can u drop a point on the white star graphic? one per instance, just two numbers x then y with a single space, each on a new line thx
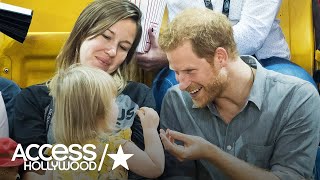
120 159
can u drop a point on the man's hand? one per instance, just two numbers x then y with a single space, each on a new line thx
194 147
155 59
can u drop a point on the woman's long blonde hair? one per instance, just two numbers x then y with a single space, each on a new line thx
93 21
82 95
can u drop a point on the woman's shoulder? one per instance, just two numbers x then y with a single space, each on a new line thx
38 93
136 89
137 85
38 89
139 93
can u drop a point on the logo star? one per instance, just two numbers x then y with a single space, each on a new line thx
120 159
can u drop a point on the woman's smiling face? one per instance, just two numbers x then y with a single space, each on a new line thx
109 50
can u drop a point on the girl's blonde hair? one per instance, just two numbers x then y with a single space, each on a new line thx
82 95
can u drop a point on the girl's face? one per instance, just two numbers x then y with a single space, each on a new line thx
108 50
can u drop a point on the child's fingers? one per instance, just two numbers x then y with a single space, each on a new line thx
141 113
144 109
148 110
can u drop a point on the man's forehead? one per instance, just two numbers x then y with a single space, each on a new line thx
187 64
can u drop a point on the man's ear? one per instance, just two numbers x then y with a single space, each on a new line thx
220 57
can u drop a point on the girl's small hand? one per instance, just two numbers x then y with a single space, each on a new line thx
149 118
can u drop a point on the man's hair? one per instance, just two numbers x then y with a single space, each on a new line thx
82 96
204 28
93 21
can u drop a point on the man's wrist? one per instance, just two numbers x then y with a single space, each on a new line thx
210 150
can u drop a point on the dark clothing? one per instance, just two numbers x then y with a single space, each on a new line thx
9 90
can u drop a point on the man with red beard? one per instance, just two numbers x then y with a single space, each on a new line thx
229 118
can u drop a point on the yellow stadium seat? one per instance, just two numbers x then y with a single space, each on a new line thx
296 22
317 57
52 15
34 61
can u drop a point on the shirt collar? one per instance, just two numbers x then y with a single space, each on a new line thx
258 88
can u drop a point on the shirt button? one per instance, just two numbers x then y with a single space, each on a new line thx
229 147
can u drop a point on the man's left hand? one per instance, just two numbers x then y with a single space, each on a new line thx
193 147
